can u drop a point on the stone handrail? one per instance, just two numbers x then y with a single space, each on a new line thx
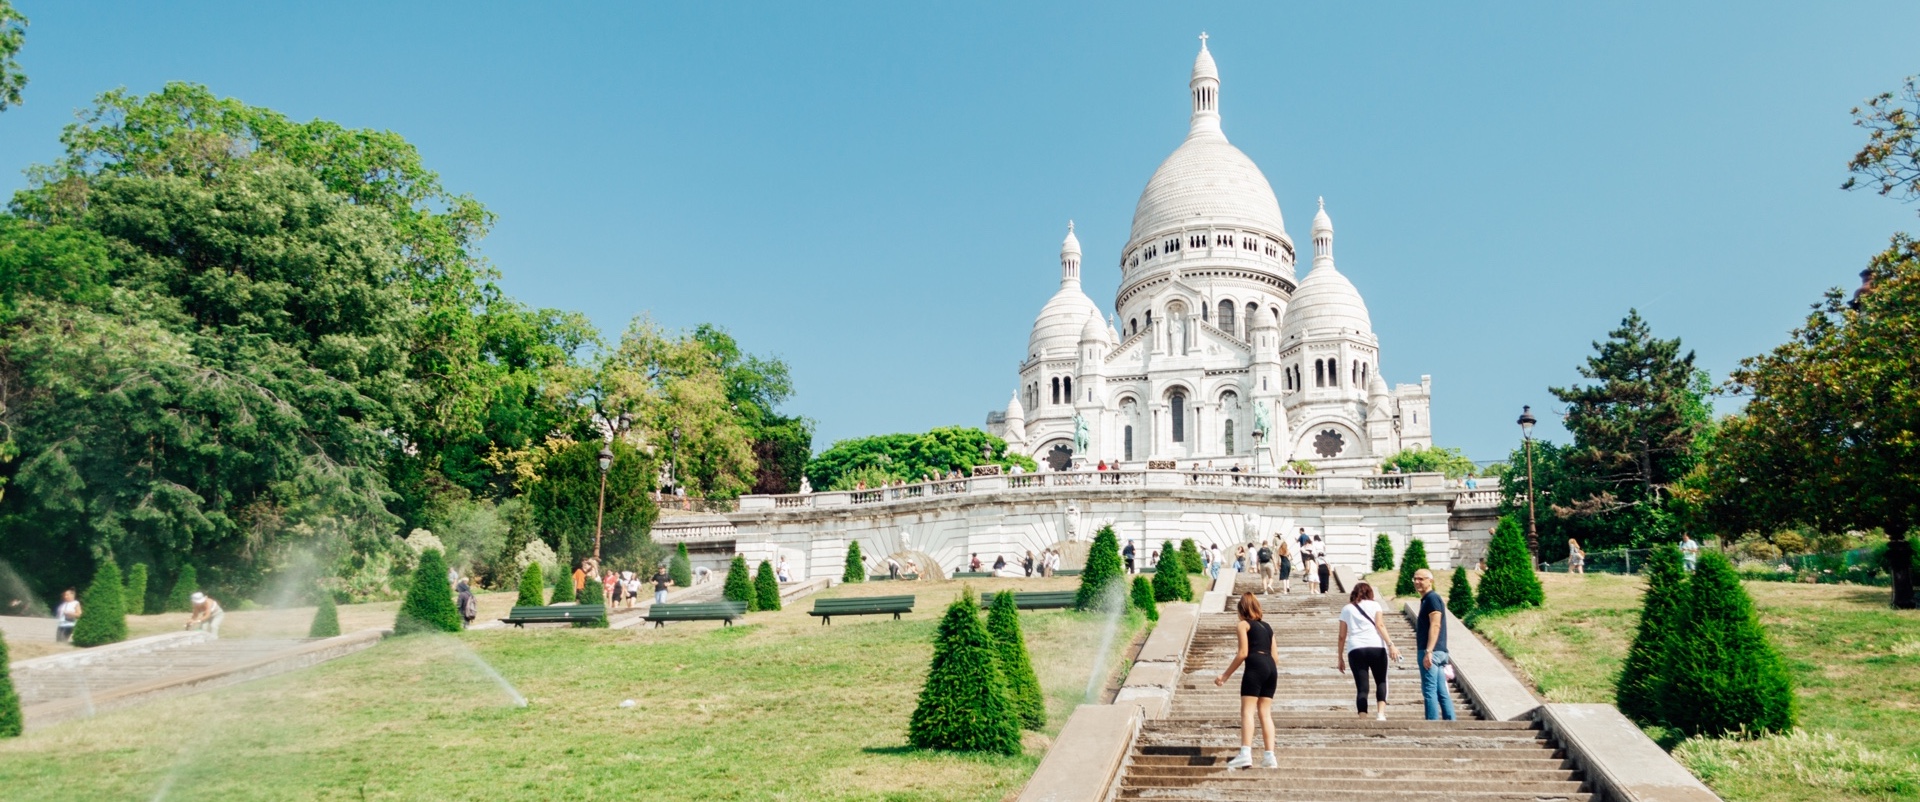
1272 482
1478 498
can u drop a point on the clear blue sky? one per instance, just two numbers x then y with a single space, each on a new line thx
876 193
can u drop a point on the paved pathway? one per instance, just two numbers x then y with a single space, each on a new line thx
1326 752
111 671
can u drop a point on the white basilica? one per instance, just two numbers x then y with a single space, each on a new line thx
1215 354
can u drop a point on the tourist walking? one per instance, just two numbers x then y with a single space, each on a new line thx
1430 648
1285 556
1689 552
1325 568
1214 563
661 581
1126 555
1307 557
65 616
1027 564
469 606
1364 644
1576 559
206 613
893 568
1265 556
1258 654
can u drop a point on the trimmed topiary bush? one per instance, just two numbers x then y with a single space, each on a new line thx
532 587
1383 552
326 619
1411 560
429 605
964 704
562 587
856 564
739 586
103 610
1509 582
184 586
1460 596
680 568
1171 584
593 593
766 587
12 722
1143 599
1722 675
136 595
1103 570
1644 671
1023 686
1191 554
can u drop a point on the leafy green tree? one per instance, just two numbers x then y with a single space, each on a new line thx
1723 676
12 722
680 569
1103 569
326 618
1412 560
1450 461
1023 686
429 604
184 586
766 588
1643 674
756 387
1509 582
738 586
1382 552
532 587
1190 555
963 705
103 611
910 457
856 565
1143 598
566 499
136 595
13 34
593 593
1460 594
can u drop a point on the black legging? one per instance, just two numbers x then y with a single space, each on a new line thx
1374 659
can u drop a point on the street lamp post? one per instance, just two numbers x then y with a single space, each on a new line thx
600 518
1533 531
1257 437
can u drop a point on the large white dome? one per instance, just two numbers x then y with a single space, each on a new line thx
1207 180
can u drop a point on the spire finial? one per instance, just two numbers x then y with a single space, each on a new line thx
1323 206
1069 226
1203 40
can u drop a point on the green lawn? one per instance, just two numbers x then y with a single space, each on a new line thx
777 708
1856 664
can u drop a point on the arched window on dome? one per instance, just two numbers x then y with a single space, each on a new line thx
1365 376
1356 374
1133 326
1333 373
1223 240
1126 442
1056 389
1226 316
1226 439
1319 373
1197 241
1067 392
1149 318
1177 409
1252 309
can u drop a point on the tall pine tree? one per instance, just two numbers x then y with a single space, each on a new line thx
856 565
429 604
766 587
1644 671
1460 596
532 587
1411 561
1103 571
103 613
739 586
1722 675
1143 600
562 586
1383 552
963 705
1023 686
1509 582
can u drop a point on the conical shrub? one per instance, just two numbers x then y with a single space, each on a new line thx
680 568
1102 571
562 587
1723 676
12 723
963 705
1383 552
532 587
1644 672
1509 582
766 587
1143 598
326 618
180 600
1023 686
429 604
1170 584
1411 561
136 595
1190 553
1460 595
103 611
739 586
593 593
856 570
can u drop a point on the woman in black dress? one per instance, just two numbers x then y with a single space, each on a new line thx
1257 684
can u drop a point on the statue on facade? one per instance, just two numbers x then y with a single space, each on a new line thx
1261 423
1249 527
1079 434
806 487
906 540
1073 521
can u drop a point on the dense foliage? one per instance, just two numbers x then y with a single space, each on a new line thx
562 587
1382 552
532 587
1450 461
1412 560
1170 584
13 34
1644 671
1190 556
856 570
594 593
429 604
180 599
1023 686
909 458
1460 594
1722 676
1099 580
739 586
103 609
1143 599
136 595
680 568
326 619
12 722
964 704
1509 582
766 587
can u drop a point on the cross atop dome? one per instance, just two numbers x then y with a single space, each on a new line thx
1203 40
1205 86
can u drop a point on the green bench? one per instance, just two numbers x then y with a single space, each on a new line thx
868 605
1037 600
974 575
884 577
1067 572
724 611
567 614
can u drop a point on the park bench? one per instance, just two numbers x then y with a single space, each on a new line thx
974 575
1037 600
565 614
884 577
723 611
1067 572
869 605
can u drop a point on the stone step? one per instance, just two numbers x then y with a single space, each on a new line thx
1413 758
1284 794
1298 769
1268 780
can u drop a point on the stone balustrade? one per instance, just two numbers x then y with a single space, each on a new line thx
1225 480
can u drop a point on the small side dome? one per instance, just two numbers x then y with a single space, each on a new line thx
1321 222
1014 410
1326 304
1203 64
1070 245
1093 332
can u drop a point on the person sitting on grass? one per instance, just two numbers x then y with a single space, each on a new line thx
206 614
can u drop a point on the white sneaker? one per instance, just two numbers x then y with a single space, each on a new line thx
1381 717
1241 761
1269 762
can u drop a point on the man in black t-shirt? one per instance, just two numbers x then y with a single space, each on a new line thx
1265 556
1430 648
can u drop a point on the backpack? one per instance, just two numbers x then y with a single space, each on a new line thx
1266 555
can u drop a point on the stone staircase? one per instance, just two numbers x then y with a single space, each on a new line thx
1326 751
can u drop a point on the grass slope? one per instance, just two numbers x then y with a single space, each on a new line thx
776 708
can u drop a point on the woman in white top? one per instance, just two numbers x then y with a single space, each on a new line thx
1364 643
68 614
